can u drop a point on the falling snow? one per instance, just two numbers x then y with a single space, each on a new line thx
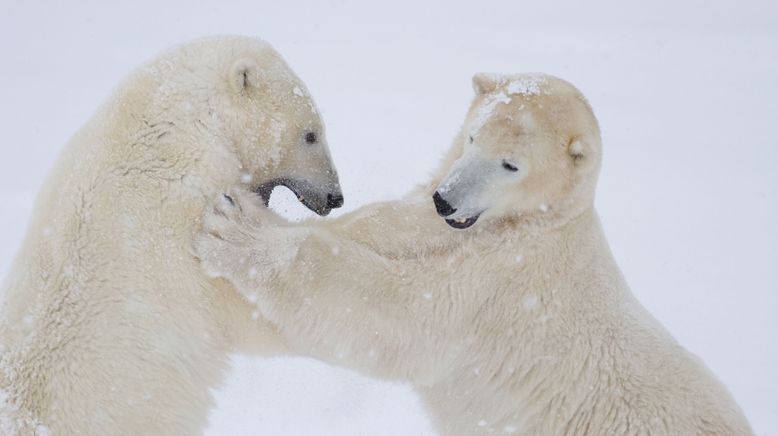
287 387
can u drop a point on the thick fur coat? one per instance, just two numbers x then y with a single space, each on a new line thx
108 325
515 321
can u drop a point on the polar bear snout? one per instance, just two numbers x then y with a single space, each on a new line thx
441 205
319 198
445 210
334 200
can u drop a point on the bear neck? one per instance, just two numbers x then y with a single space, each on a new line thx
163 161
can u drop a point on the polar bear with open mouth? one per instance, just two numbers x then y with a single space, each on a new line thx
517 320
108 325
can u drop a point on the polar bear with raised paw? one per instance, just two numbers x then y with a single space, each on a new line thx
108 324
517 320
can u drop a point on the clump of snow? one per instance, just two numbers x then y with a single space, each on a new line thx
299 92
452 180
527 85
487 110
246 178
523 86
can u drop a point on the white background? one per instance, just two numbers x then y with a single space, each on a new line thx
687 97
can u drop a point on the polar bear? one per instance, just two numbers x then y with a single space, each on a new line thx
108 325
521 324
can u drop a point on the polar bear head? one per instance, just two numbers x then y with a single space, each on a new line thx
530 145
252 118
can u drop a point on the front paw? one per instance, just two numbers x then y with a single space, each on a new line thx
241 242
228 228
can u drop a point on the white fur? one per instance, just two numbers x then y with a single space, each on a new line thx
522 324
108 325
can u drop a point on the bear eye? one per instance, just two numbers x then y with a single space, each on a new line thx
509 166
310 138
471 139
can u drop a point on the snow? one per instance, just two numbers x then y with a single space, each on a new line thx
530 85
486 110
686 95
451 181
525 86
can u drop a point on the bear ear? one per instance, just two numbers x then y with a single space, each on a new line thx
580 152
244 75
484 83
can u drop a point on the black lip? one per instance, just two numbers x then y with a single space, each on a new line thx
300 190
468 222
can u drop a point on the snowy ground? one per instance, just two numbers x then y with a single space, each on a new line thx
687 97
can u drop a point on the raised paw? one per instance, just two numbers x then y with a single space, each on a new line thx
242 241
236 211
229 227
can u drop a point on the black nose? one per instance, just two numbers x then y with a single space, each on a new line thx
334 201
444 209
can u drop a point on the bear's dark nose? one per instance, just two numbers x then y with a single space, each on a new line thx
334 201
444 209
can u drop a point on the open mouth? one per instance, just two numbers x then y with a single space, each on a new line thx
462 223
305 193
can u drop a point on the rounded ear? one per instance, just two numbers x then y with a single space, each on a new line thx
579 152
244 74
484 83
